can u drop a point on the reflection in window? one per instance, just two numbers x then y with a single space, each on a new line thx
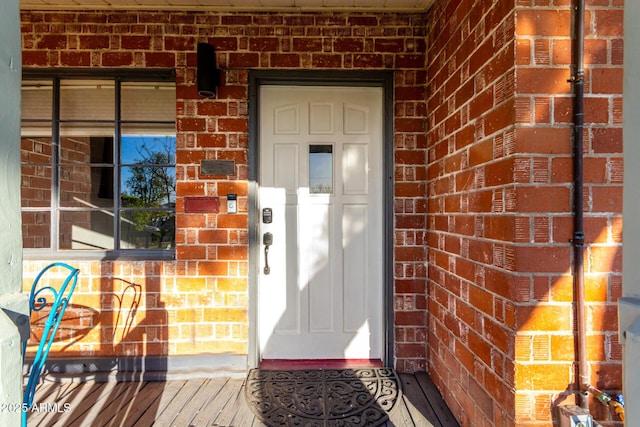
86 230
147 191
98 174
321 169
148 174
147 229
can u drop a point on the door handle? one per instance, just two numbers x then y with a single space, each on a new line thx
267 240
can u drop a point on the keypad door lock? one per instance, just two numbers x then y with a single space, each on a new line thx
267 215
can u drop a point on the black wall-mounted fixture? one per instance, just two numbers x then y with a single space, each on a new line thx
207 74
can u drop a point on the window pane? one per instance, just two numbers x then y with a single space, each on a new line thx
36 172
147 128
36 230
86 150
86 230
36 150
321 169
148 102
87 129
148 149
150 179
148 186
147 229
86 186
75 149
36 184
87 100
37 100
38 128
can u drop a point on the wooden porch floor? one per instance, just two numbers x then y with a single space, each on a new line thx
198 402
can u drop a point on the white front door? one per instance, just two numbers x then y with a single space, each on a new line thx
321 176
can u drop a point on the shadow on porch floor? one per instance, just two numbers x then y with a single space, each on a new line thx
199 402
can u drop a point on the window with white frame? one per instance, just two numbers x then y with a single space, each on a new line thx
98 164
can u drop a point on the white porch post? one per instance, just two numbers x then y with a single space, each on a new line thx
13 304
630 305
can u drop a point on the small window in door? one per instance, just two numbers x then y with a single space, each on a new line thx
321 169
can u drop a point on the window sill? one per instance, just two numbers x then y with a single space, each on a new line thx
125 255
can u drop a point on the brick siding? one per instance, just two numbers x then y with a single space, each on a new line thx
199 302
501 338
482 197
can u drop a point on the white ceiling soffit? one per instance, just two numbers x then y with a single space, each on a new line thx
228 5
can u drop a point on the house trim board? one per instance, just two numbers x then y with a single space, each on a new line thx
144 368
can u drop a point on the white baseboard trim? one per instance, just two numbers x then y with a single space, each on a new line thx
144 368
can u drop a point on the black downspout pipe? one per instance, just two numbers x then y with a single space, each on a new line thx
577 80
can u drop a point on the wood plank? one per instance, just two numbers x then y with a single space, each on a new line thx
399 415
117 404
177 404
80 399
257 422
421 411
215 401
48 393
89 410
44 400
199 402
236 412
65 388
142 402
221 406
169 392
437 402
244 415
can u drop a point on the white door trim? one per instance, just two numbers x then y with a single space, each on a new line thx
382 79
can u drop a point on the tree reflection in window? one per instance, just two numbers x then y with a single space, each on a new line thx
148 188
98 163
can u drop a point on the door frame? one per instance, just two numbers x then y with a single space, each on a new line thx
383 79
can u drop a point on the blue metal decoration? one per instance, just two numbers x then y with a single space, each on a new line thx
57 299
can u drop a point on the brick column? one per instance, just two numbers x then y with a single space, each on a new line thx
501 339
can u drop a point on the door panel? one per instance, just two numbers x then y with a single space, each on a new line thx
354 221
321 174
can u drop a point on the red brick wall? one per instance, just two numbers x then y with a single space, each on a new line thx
495 166
36 190
199 302
75 183
501 340
544 103
471 222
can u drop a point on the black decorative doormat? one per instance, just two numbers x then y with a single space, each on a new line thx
323 398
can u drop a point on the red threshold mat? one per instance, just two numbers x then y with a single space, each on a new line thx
303 364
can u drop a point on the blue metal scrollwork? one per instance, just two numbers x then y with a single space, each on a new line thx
39 298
